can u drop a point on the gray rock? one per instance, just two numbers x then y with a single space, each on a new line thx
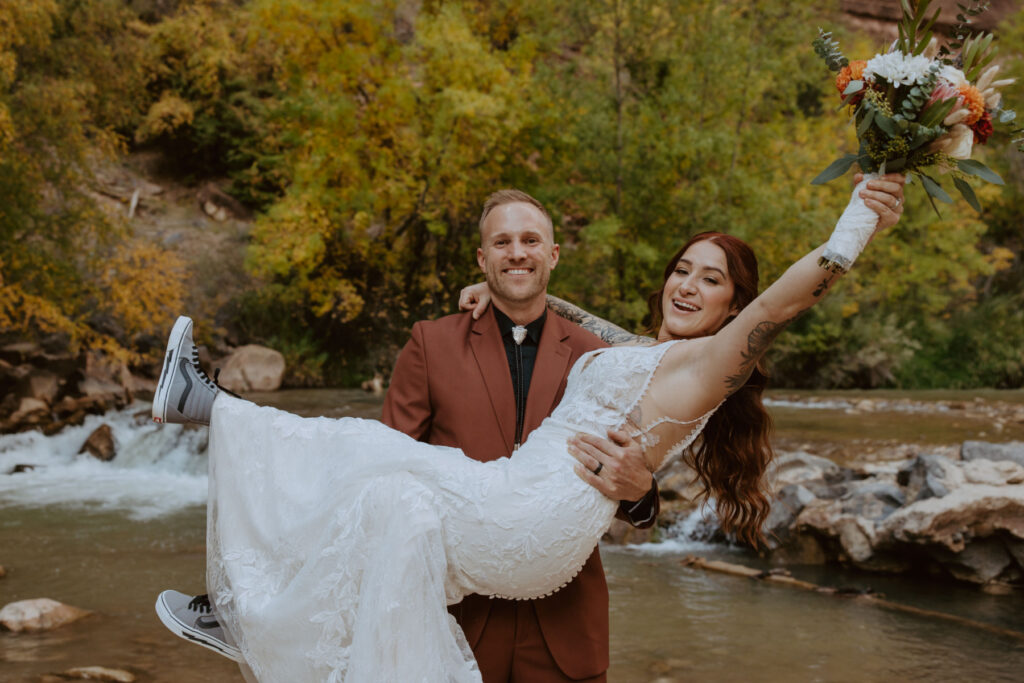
929 476
873 500
799 467
788 503
981 450
981 561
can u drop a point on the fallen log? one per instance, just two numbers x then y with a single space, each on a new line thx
782 577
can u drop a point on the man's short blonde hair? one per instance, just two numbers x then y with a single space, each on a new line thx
511 196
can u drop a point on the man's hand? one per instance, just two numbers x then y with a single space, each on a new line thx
885 197
475 298
622 472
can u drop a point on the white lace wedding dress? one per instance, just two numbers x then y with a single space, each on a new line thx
334 545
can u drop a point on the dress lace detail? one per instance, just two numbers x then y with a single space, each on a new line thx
335 545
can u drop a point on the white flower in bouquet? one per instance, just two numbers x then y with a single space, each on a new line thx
953 75
897 68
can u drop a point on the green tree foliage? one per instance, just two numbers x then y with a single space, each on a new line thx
62 104
366 136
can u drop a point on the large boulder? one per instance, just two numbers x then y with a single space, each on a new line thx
39 614
252 368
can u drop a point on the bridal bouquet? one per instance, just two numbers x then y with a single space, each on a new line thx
917 107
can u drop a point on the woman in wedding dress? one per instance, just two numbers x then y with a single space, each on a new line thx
334 545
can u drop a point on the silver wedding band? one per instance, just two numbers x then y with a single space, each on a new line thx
597 470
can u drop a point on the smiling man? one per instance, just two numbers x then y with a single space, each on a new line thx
483 385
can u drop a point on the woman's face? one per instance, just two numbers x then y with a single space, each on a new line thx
697 298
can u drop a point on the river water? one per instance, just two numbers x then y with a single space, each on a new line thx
108 536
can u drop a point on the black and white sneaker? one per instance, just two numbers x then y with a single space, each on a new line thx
192 618
184 392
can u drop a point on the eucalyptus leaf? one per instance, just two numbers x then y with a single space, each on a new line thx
886 125
1007 115
968 193
835 169
865 122
972 167
935 190
854 86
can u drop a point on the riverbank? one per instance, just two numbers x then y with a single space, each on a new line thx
107 536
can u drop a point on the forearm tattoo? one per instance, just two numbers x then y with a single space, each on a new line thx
610 333
760 338
824 285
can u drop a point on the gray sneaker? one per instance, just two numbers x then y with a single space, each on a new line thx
184 393
192 618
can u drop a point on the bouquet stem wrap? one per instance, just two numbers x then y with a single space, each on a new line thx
852 232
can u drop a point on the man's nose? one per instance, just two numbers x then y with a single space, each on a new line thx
518 250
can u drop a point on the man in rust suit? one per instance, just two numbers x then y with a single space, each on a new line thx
482 385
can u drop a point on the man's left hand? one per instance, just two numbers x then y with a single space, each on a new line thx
621 471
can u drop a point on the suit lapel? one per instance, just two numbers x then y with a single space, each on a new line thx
549 370
490 357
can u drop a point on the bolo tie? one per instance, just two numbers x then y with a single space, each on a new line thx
518 335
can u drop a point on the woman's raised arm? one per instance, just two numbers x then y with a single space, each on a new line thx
728 358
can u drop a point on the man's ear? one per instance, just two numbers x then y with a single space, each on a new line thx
480 258
554 256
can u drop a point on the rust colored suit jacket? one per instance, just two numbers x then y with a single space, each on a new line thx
451 386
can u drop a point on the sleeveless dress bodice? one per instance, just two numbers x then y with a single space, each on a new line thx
334 545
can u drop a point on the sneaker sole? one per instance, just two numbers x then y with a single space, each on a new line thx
163 390
194 636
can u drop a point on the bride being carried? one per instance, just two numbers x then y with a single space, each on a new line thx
335 545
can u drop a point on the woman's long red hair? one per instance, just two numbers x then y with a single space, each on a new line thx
734 450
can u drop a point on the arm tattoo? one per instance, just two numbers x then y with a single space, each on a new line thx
760 338
823 285
610 333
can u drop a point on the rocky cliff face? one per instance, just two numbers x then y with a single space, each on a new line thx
879 17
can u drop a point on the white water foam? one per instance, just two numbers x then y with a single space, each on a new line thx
157 470
689 535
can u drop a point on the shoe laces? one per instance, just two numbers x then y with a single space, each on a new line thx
199 370
201 603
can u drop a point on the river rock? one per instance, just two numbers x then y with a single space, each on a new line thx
252 368
41 384
100 673
100 444
39 614
933 513
980 450
929 476
799 467
31 412
972 511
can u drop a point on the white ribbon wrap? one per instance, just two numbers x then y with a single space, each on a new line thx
852 232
